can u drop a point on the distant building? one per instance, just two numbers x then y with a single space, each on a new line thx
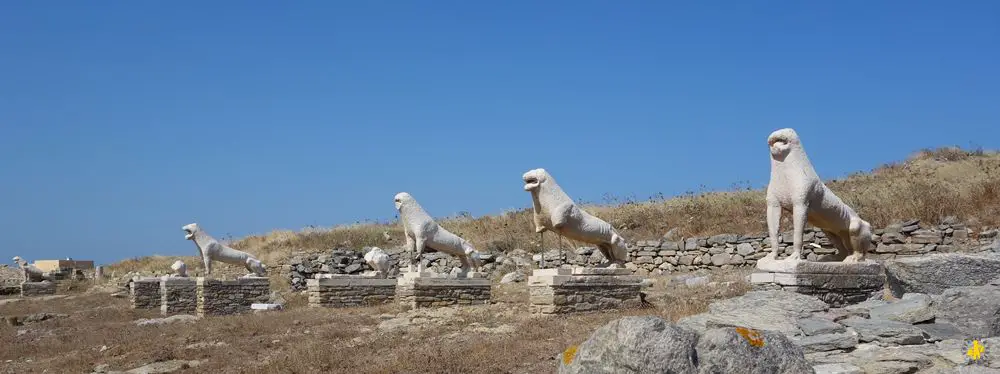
59 265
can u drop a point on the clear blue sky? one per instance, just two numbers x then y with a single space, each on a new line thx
122 121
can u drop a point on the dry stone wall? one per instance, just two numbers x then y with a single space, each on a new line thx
222 297
29 289
425 292
144 293
347 291
178 295
654 257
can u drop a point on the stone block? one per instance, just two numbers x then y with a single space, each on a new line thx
836 283
144 293
582 290
29 289
223 297
348 291
178 295
425 289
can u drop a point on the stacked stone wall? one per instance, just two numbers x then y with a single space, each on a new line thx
340 292
223 297
178 295
435 292
29 289
144 293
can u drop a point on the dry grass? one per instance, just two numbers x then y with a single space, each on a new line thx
499 338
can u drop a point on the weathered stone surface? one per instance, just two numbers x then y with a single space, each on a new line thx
827 342
885 331
635 345
222 297
932 274
513 277
912 308
761 310
346 291
819 326
725 350
974 310
941 331
836 283
839 368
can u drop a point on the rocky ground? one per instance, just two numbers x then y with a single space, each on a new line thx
92 331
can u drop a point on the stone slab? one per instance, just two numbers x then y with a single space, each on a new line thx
816 267
264 306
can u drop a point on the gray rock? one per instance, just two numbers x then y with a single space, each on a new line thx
513 277
762 310
933 274
838 368
974 310
819 326
353 268
885 331
744 249
724 350
635 345
912 308
180 318
863 309
696 281
720 259
827 342
941 331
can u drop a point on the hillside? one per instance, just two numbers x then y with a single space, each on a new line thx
930 185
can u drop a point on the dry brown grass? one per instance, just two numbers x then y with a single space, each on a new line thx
499 338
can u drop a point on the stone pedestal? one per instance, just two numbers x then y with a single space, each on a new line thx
427 289
222 297
144 293
557 291
349 290
836 283
29 289
178 295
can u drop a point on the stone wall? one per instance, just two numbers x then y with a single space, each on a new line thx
222 297
178 295
422 292
345 291
144 293
654 257
557 291
29 289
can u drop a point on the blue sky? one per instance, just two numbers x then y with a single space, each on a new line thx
122 121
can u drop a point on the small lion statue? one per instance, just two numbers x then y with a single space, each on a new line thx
796 187
422 232
179 268
30 272
212 250
555 211
379 261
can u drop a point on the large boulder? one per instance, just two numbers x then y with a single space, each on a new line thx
737 350
935 273
974 310
634 345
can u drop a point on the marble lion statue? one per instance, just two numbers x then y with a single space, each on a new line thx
795 187
379 261
179 268
422 232
30 272
555 211
212 250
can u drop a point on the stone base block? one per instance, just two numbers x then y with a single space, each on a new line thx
557 291
836 283
223 297
178 295
29 289
346 291
426 289
144 293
